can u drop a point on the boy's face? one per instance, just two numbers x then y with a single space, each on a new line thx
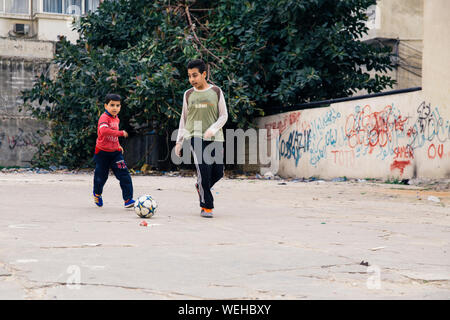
197 79
113 107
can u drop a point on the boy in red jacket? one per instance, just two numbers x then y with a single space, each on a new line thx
109 153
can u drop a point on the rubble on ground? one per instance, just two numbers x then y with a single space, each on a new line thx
145 170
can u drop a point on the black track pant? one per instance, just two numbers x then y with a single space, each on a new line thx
208 159
115 161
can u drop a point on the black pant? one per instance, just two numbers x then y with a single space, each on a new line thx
209 166
115 161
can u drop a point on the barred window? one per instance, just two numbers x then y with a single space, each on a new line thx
17 6
72 7
63 6
53 6
91 5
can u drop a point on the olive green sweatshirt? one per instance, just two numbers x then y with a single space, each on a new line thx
203 110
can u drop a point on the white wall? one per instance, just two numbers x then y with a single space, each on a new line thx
400 136
18 130
436 60
7 23
32 49
397 19
51 26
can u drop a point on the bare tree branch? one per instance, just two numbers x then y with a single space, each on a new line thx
192 26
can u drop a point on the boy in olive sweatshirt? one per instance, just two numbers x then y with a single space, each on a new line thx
203 116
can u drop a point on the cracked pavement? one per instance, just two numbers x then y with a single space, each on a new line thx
298 240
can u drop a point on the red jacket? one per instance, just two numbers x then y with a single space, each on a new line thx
108 133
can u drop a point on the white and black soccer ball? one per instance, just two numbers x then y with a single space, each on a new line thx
145 206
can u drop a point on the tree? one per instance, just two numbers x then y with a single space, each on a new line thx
260 52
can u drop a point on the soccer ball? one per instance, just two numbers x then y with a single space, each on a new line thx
145 206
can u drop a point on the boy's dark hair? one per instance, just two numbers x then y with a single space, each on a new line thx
112 97
199 64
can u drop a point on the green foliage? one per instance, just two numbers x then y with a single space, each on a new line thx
260 52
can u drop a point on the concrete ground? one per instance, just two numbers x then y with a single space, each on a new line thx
269 239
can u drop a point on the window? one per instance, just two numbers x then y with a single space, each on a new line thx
54 6
17 6
63 6
91 5
73 7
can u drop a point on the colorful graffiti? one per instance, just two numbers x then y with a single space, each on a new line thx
324 135
344 157
404 152
297 143
364 127
437 152
20 140
429 127
400 165
283 124
385 133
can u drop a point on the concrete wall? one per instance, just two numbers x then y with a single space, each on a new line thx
397 19
436 62
18 140
43 25
401 136
49 27
27 49
7 22
399 25
18 131
409 70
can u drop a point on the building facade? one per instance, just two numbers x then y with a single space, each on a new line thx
29 30
42 19
399 24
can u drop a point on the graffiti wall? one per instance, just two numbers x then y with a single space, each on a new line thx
19 139
400 136
19 136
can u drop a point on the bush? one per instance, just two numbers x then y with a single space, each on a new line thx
261 53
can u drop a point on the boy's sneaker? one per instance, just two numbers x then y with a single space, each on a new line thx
206 213
129 203
98 200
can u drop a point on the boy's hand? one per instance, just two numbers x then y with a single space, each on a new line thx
208 134
121 149
178 149
125 134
